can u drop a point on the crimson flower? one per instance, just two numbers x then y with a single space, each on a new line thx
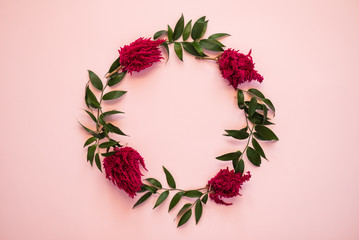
123 169
140 54
237 67
226 184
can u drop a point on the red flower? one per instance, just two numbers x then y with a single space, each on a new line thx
140 54
237 67
123 169
226 184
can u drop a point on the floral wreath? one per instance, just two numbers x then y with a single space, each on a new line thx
122 163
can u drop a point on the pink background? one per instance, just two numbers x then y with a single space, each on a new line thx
175 114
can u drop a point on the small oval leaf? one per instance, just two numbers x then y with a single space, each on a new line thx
178 29
198 28
178 50
154 182
114 65
253 157
205 198
98 162
237 134
118 78
91 153
187 30
240 99
95 80
169 33
256 92
185 217
239 168
218 35
142 199
108 144
159 34
252 106
198 211
212 45
258 148
161 198
266 133
229 156
113 95
170 180
188 47
176 198
112 112
89 141
193 194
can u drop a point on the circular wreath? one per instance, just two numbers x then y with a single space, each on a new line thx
122 163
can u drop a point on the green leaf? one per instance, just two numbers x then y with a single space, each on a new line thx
198 48
176 198
187 30
118 78
114 129
237 134
161 198
269 104
257 118
239 168
178 50
240 98
95 80
253 157
256 92
183 209
91 99
218 35
154 182
114 65
91 115
159 34
204 29
205 198
212 45
142 199
252 106
265 112
185 217
149 188
193 194
113 95
108 154
169 33
165 45
89 141
93 133
112 112
258 148
188 47
198 211
198 28
98 162
170 180
229 156
91 153
178 29
266 133
108 144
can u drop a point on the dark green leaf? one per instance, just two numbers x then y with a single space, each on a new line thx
114 129
178 50
257 118
265 111
98 162
185 217
266 133
91 99
91 115
178 29
170 180
187 31
118 78
198 48
204 29
252 106
205 198
183 209
237 134
212 45
93 133
142 199
198 28
95 80
149 188
159 34
256 92
269 104
169 33
239 167
198 211
253 157
258 148
112 112
108 154
91 153
165 45
176 198
192 194
113 95
161 198
89 141
229 156
218 35
240 99
188 47
114 65
154 182
108 144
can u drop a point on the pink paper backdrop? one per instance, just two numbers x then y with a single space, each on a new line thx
175 114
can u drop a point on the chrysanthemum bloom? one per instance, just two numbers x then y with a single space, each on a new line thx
226 184
140 54
237 67
123 169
